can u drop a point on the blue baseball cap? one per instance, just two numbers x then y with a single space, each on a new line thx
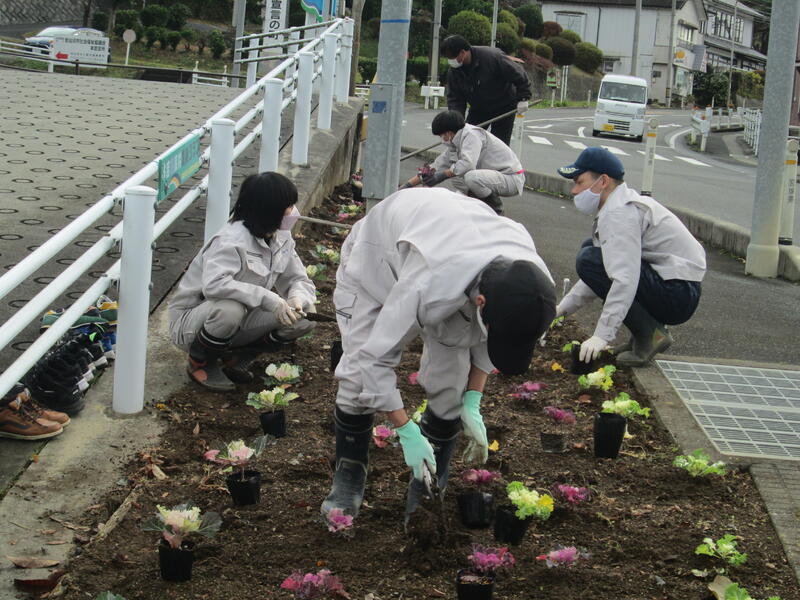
598 160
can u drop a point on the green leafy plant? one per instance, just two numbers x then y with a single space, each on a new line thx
323 253
282 374
317 272
698 464
270 400
735 592
598 379
529 502
417 416
724 548
568 346
625 406
182 520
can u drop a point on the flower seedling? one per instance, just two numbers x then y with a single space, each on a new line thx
317 272
325 254
282 374
348 210
529 502
735 592
237 453
417 415
625 406
527 389
384 435
563 557
556 366
182 520
698 464
559 417
338 521
479 477
568 346
570 493
487 560
413 378
724 548
600 379
313 585
270 400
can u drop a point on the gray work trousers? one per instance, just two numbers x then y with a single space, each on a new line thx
480 183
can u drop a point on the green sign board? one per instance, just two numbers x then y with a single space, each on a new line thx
552 78
177 166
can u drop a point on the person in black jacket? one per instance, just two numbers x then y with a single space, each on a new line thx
488 81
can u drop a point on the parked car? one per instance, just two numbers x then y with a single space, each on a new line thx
45 37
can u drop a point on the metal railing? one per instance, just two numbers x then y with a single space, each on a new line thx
288 83
751 119
198 79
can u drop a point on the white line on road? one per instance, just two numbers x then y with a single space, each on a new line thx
580 131
671 139
539 126
540 140
658 156
576 145
615 150
692 161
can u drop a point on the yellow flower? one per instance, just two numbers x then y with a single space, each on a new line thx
557 367
494 446
545 501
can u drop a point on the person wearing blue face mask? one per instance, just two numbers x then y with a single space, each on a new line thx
487 81
245 292
641 261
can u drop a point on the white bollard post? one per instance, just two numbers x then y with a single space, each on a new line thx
271 125
194 73
517 135
138 214
330 41
786 232
649 158
588 98
252 67
302 109
220 173
292 49
345 55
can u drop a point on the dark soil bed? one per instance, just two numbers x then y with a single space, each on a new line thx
641 525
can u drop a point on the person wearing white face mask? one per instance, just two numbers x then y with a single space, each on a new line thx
641 261
245 292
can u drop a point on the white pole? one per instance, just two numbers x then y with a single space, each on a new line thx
127 53
302 110
238 23
649 158
635 50
342 81
292 49
329 41
134 298
271 125
671 55
786 232
220 173
252 67
494 23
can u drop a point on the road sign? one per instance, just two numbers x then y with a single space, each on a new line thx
178 166
81 47
129 36
552 78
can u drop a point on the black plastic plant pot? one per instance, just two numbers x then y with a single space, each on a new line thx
274 422
245 490
336 354
470 586
553 443
507 527
609 429
176 563
475 509
578 367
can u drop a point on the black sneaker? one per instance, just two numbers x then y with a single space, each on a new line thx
73 351
98 354
62 376
56 397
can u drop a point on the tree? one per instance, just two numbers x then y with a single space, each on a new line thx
173 39
202 41
216 43
475 28
551 29
711 85
506 16
451 7
507 38
100 20
177 15
563 50
154 15
570 35
588 57
188 36
531 16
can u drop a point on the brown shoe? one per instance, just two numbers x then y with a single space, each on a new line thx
40 412
19 423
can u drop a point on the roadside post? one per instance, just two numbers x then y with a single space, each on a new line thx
128 36
786 232
649 158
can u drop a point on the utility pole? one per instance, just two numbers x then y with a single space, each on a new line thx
238 22
733 41
762 252
635 52
355 13
437 25
671 58
494 23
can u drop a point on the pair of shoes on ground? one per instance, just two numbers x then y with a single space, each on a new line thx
103 313
22 418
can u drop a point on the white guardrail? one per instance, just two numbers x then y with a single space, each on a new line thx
326 57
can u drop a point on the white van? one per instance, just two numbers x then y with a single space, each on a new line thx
621 103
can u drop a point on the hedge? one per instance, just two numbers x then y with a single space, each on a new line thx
475 28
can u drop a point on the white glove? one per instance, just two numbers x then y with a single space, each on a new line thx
591 348
284 313
522 107
296 304
477 450
560 310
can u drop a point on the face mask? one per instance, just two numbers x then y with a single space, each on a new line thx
587 201
453 63
481 324
289 220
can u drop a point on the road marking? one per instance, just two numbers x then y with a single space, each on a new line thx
539 126
615 150
658 156
671 139
576 145
692 161
540 140
580 131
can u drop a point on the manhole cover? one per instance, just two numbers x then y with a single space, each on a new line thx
744 411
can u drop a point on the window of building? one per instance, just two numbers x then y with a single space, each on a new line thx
723 25
608 65
573 21
686 34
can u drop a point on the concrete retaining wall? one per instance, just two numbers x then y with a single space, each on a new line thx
40 11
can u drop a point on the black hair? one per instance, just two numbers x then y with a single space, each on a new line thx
452 45
619 181
262 202
447 120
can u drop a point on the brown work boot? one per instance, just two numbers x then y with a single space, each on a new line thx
38 411
19 423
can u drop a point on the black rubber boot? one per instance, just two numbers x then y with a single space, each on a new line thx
443 435
353 434
494 201
649 337
203 367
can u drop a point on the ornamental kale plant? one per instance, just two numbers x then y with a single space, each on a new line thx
317 272
237 454
735 592
310 585
348 210
568 346
625 406
270 400
183 520
529 502
338 521
487 560
417 415
559 416
724 548
563 557
479 477
384 435
598 379
527 389
325 254
570 493
697 464
282 374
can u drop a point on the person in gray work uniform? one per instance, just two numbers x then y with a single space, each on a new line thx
475 161
641 261
434 264
246 291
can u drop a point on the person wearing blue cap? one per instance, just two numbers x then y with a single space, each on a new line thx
641 261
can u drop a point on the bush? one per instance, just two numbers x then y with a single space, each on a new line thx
531 16
367 67
451 7
163 37
475 28
154 15
506 16
126 19
99 20
570 35
588 57
544 50
417 68
173 39
216 43
419 37
551 29
188 36
151 36
202 41
177 15
563 50
507 38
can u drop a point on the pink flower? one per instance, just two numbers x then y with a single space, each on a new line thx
563 557
383 435
487 560
560 415
211 455
338 521
412 379
572 494
342 216
310 585
532 386
479 477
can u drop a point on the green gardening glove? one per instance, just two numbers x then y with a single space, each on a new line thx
416 449
477 450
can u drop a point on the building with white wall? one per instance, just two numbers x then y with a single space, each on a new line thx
729 30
